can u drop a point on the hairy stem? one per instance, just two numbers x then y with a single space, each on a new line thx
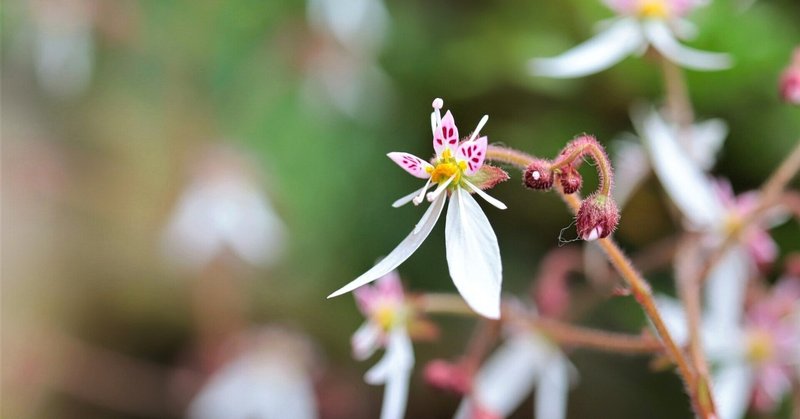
588 145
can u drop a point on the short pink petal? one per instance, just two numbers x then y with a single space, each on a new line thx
473 152
446 135
411 163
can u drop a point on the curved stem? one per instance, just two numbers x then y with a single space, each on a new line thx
587 144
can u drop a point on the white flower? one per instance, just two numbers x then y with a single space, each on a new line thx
63 45
223 208
524 361
270 380
388 317
473 255
642 23
342 62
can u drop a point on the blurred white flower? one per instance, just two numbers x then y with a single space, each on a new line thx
388 317
708 206
342 67
269 380
223 208
641 24
755 355
524 361
63 45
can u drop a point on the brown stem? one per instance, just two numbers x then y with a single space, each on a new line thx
639 287
560 332
677 93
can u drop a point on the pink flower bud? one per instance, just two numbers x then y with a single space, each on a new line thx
597 218
448 376
570 179
538 175
790 81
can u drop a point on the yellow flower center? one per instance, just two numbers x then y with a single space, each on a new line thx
653 9
385 317
732 224
447 166
761 347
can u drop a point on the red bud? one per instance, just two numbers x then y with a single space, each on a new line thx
597 218
538 175
570 179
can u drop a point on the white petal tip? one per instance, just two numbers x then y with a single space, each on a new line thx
593 235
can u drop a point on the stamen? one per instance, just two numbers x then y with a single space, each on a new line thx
408 198
418 199
438 103
435 194
478 129
484 195
433 123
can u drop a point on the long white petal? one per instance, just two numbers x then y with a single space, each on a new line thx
674 317
406 199
402 252
732 385
725 290
508 376
597 54
551 392
394 369
632 166
365 340
490 199
707 139
660 36
690 189
473 255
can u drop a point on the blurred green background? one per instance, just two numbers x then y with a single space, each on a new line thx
92 171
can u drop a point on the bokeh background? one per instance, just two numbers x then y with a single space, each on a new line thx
114 112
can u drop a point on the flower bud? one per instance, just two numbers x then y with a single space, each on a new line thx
570 179
448 376
790 86
597 218
538 175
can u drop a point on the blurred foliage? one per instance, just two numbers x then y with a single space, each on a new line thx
171 76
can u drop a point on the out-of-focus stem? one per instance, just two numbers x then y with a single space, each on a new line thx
677 95
560 332
639 287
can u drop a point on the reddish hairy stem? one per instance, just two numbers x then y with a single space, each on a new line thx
582 146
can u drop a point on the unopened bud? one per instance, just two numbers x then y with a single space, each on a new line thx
597 218
448 376
538 175
790 81
570 179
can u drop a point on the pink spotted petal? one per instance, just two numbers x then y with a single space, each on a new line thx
411 163
473 152
446 135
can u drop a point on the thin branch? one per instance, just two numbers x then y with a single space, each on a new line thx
560 332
